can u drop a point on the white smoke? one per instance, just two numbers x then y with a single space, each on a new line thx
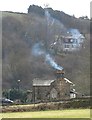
75 33
38 50
50 61
50 20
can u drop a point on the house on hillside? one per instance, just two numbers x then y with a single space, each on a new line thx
68 43
57 89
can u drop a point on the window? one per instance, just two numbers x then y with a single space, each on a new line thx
53 93
74 46
67 46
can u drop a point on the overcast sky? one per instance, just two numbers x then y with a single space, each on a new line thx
71 7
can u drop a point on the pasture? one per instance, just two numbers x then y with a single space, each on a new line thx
70 113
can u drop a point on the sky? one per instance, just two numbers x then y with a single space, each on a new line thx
71 7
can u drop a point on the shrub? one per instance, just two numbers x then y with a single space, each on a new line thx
76 103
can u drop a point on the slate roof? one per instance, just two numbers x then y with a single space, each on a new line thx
39 82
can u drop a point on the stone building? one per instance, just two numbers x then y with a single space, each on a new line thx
58 88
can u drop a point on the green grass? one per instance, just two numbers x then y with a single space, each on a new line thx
75 113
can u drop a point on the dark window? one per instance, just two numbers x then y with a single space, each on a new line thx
67 46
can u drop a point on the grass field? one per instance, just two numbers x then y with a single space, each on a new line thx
75 113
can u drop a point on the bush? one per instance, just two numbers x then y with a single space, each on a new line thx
76 103
15 94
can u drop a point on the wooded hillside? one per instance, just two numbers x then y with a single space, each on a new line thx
21 31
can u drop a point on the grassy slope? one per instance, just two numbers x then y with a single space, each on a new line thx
77 113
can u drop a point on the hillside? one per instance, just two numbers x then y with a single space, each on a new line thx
69 21
20 32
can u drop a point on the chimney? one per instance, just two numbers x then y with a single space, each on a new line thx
60 74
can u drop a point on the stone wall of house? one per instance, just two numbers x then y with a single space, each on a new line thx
63 88
59 88
41 92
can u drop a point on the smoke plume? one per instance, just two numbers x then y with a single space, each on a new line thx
50 20
38 50
75 33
